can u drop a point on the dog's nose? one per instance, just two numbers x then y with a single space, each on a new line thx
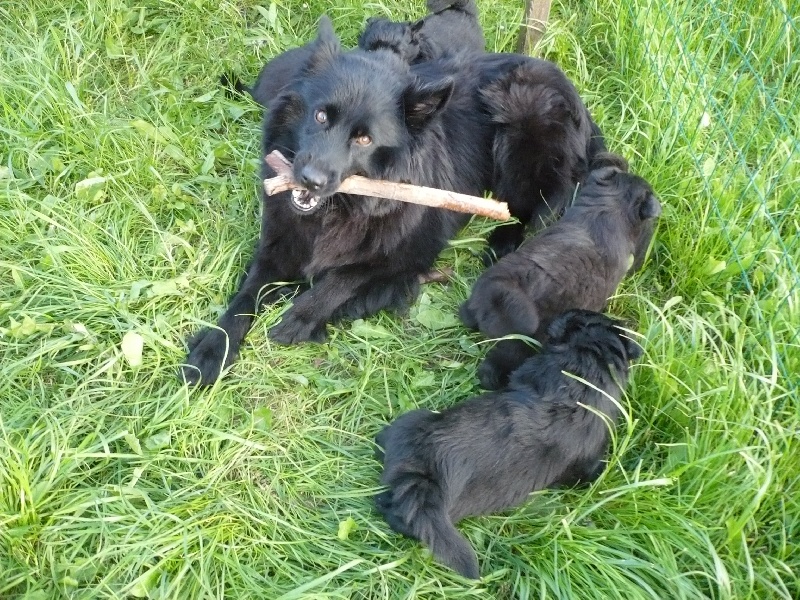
312 178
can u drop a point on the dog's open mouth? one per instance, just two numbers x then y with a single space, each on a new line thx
304 201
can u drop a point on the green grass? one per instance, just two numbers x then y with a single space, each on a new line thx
128 204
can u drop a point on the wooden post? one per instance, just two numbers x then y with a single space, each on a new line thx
537 12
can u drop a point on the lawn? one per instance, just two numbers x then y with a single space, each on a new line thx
128 210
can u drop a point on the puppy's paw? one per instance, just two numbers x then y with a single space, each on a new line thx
294 330
491 376
503 240
209 355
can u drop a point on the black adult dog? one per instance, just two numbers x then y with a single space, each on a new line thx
438 124
578 262
488 453
352 113
451 29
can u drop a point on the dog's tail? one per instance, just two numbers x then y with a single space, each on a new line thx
466 6
418 502
231 84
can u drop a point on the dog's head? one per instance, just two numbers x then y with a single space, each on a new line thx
398 37
595 332
353 113
610 185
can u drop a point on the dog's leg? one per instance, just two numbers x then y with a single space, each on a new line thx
504 239
213 350
501 361
343 291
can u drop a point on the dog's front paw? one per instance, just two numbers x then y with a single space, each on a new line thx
293 330
492 376
503 240
209 354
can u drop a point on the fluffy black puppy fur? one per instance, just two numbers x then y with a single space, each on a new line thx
352 113
488 453
451 29
578 262
545 139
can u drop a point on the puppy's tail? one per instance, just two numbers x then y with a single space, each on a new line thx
419 502
467 6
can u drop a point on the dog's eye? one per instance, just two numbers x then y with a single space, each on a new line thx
363 140
321 117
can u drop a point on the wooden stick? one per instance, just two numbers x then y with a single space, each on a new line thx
404 192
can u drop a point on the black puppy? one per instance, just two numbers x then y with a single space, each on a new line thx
352 113
488 453
577 262
545 139
452 29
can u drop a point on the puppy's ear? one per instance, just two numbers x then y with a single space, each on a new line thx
608 159
605 174
632 349
557 330
325 47
421 101
650 207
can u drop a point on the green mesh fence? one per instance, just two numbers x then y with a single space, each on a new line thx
728 78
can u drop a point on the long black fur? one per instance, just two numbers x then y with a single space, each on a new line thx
577 262
451 29
488 453
362 254
545 139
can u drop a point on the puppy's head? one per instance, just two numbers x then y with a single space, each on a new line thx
611 186
595 332
383 34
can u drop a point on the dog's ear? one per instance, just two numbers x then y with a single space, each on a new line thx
557 330
604 175
608 159
325 47
649 207
633 349
421 101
